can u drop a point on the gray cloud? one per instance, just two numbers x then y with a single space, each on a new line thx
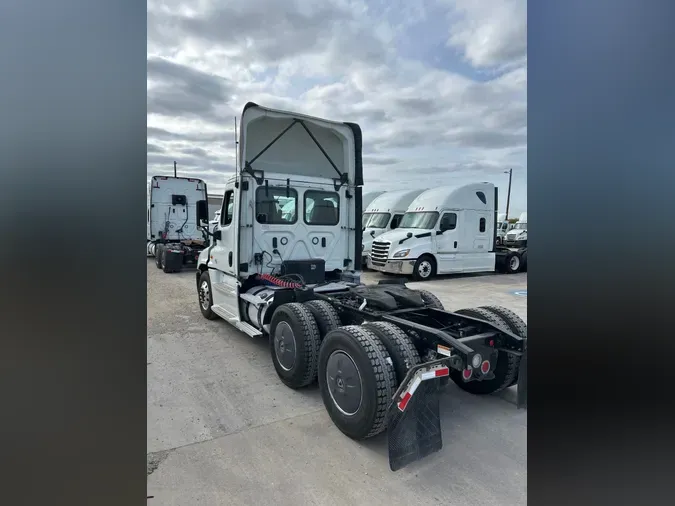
152 148
337 60
180 90
377 160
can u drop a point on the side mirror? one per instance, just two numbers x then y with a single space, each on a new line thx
202 212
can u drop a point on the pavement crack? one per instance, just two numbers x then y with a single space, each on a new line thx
155 459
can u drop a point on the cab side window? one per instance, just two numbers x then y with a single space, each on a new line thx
227 212
448 221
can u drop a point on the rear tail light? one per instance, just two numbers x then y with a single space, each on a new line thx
466 374
485 367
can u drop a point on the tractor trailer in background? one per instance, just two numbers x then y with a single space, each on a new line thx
517 236
447 230
366 200
378 352
385 213
173 237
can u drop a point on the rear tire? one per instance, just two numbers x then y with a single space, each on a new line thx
206 296
512 263
294 344
431 300
514 323
357 381
506 369
424 269
158 252
327 318
400 347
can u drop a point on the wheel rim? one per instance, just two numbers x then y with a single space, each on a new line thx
284 346
514 263
204 298
344 383
424 269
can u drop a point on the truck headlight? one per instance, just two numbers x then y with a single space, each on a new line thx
402 253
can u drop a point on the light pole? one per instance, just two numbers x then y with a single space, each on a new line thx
174 171
508 193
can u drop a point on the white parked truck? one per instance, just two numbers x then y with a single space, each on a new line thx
446 230
503 226
367 199
377 352
517 236
384 214
173 237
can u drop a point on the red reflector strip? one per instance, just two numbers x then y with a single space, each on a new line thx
444 371
404 402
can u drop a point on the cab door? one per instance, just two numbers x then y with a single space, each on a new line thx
222 261
448 239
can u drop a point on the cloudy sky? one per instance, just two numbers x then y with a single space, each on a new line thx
439 87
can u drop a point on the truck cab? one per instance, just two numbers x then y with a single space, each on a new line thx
384 214
517 236
503 226
291 211
284 263
365 202
445 230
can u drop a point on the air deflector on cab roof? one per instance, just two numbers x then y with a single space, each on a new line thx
259 174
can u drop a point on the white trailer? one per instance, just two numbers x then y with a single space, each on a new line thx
378 352
384 214
446 230
173 236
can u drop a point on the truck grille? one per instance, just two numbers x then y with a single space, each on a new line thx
379 252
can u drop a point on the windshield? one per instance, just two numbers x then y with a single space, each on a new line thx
377 220
426 220
364 219
521 226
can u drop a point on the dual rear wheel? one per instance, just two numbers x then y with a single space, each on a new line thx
358 367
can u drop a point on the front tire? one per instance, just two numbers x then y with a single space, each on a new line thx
206 296
357 381
424 269
294 344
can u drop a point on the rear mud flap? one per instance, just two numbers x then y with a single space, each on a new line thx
414 421
521 395
415 432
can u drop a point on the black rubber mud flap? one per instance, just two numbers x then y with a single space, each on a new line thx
521 396
414 432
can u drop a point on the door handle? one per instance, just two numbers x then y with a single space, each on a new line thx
229 258
455 244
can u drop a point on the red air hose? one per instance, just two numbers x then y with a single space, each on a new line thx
278 281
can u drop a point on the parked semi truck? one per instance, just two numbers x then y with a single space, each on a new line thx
378 352
447 230
503 226
517 237
173 235
384 214
365 202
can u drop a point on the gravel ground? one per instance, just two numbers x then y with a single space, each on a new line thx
222 429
